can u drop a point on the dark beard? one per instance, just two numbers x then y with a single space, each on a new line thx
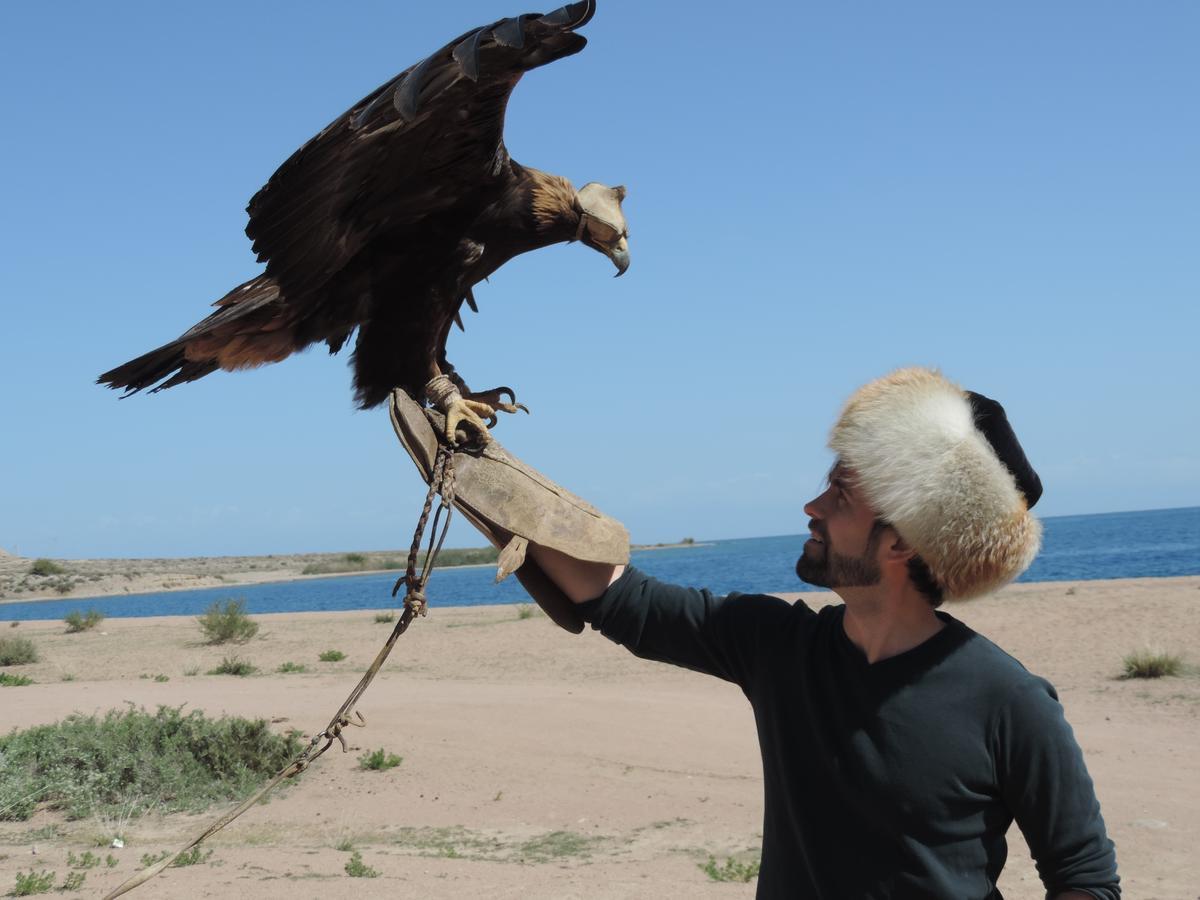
835 571
832 570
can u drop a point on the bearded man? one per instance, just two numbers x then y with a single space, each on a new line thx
898 745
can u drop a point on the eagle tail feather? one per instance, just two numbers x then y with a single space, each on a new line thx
245 330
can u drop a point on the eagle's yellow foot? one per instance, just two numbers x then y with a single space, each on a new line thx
472 413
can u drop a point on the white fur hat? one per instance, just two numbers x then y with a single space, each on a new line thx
943 467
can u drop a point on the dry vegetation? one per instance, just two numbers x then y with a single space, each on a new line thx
27 579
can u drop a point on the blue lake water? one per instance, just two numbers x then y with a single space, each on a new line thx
1076 548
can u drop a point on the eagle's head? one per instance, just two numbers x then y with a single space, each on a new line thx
601 222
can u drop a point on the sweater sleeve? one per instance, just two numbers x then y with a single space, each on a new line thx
723 636
1044 781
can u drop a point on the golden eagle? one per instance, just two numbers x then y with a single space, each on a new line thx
386 219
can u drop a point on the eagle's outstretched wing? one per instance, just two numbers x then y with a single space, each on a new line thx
425 150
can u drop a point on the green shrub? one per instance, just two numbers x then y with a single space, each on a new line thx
88 860
379 760
1151 664
17 651
46 567
131 761
223 624
526 610
77 621
232 665
732 870
355 559
356 868
332 656
73 882
385 618
186 858
289 667
32 883
7 680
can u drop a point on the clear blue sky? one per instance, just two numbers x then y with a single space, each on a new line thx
817 194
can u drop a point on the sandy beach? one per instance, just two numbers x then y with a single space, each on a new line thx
541 764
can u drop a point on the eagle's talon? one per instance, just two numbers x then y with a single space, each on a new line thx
494 399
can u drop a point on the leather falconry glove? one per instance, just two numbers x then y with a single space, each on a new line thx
514 505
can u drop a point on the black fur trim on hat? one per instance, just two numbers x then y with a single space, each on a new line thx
991 420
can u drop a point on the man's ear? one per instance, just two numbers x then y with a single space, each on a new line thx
895 548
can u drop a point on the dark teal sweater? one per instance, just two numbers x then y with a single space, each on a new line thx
892 780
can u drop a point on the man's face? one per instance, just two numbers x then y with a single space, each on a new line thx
845 537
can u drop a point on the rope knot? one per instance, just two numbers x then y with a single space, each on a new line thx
416 601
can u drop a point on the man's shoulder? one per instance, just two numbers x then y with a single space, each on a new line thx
990 665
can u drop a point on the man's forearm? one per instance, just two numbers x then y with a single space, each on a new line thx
580 581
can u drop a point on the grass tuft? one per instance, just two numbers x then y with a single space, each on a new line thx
191 857
1151 664
331 656
555 845
17 651
289 667
526 610
379 760
356 868
131 761
227 623
385 618
46 567
32 883
88 860
732 870
73 882
77 621
7 680
233 665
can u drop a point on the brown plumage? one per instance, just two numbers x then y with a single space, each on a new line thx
385 220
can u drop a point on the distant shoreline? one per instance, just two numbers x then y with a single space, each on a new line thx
130 577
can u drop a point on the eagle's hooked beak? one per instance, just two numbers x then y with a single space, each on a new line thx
602 224
619 254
